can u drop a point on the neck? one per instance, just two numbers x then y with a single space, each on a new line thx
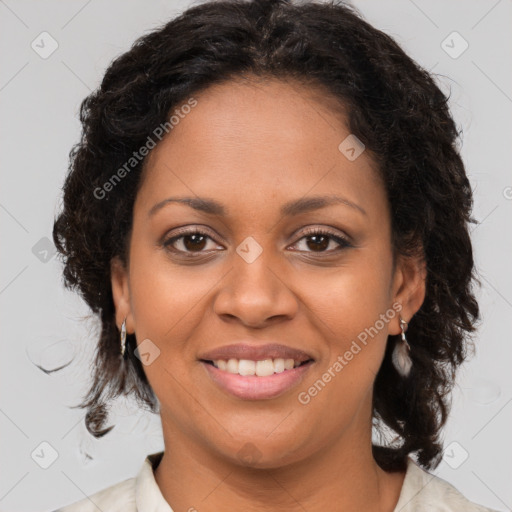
344 476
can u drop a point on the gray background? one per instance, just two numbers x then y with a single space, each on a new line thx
41 323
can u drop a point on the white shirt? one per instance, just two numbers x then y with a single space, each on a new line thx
421 492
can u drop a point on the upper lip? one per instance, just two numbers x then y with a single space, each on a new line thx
255 352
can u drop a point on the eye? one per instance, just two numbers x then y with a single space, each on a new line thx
193 240
320 239
189 241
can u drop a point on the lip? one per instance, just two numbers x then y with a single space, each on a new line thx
252 387
255 353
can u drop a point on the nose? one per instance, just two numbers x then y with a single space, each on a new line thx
255 293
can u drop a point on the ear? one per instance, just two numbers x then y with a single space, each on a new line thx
409 287
121 294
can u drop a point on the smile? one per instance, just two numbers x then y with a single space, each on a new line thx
263 368
256 380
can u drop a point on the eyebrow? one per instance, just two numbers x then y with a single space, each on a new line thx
295 207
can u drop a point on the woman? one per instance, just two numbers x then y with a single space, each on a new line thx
264 211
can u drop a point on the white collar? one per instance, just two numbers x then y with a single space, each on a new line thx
420 489
148 496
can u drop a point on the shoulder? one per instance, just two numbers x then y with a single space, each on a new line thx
423 491
138 493
119 497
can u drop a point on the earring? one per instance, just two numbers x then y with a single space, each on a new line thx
400 357
123 338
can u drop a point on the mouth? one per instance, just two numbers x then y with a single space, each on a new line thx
246 384
261 368
256 372
252 372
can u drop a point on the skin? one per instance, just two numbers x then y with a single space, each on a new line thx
254 146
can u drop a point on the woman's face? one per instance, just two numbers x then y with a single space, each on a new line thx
316 278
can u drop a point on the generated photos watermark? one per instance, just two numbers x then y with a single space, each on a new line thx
304 397
137 156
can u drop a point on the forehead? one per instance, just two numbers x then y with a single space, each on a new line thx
262 116
257 141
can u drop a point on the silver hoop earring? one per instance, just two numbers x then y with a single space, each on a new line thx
123 338
400 357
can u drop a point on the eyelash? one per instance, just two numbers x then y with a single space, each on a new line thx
308 232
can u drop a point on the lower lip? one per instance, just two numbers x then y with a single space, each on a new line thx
251 387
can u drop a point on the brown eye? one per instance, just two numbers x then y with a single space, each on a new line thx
189 242
194 242
319 240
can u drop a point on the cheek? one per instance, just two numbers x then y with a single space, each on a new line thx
351 311
165 297
166 307
348 298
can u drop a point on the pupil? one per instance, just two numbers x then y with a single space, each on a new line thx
324 245
197 241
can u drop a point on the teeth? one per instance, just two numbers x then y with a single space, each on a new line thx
246 367
260 368
265 368
232 366
279 365
289 364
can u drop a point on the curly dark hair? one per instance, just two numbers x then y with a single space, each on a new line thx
394 107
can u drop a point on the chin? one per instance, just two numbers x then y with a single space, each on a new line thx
262 453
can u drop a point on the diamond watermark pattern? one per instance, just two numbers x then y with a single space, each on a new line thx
249 249
249 453
44 455
147 352
44 45
351 147
455 455
44 250
454 45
